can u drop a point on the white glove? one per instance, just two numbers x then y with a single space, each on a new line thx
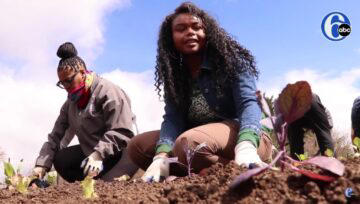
92 164
158 170
246 154
39 172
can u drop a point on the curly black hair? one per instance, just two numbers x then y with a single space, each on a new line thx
226 54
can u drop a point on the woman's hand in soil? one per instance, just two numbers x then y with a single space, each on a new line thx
246 154
39 172
158 170
92 164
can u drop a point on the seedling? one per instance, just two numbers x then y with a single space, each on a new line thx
293 102
9 172
88 187
356 142
329 153
302 157
190 153
51 177
124 177
14 179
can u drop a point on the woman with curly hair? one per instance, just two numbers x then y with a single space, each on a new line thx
99 113
208 81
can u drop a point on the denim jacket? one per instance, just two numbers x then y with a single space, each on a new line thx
238 102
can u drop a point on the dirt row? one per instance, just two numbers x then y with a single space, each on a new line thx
210 187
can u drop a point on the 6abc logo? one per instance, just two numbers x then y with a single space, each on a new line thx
350 194
336 26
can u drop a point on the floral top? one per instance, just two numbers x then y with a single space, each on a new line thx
199 110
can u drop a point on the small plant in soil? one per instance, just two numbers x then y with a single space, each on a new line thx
293 102
51 177
356 142
124 177
190 153
14 180
88 187
329 153
302 157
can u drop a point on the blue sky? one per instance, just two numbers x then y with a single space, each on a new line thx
282 36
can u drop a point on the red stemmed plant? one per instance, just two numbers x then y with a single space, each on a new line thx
190 153
293 102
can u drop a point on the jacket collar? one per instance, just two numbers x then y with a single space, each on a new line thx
95 82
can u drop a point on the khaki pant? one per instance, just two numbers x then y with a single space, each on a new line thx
220 139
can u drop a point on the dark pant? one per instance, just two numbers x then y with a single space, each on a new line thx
68 160
315 119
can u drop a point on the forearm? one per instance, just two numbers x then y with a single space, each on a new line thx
172 126
249 118
247 108
47 152
52 145
169 131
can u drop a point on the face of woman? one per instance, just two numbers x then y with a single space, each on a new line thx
69 78
188 34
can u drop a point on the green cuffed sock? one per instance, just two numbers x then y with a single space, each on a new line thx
248 135
163 148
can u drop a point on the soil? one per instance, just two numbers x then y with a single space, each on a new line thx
212 186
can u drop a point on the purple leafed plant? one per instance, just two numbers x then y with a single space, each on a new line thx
293 102
190 153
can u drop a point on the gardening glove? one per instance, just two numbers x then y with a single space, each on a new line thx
39 172
246 154
92 164
158 170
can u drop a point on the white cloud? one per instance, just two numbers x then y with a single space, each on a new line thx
337 91
31 31
28 112
144 100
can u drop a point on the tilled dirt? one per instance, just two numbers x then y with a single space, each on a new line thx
210 187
